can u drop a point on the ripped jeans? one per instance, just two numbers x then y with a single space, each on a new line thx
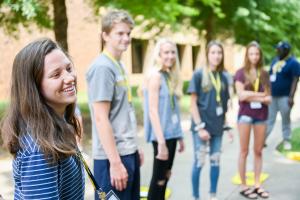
200 152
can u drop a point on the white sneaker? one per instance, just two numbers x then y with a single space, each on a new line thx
213 197
287 145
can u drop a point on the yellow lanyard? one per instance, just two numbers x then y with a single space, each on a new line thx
129 94
278 66
171 92
256 83
217 85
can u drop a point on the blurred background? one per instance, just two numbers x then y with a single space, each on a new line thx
75 25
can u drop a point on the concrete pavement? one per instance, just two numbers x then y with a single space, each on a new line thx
283 182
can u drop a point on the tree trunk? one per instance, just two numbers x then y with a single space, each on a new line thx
60 23
209 24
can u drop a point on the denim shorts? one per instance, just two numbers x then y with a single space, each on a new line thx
245 119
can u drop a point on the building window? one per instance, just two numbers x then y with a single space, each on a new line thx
138 55
195 53
180 49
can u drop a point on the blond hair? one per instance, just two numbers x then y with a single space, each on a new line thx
156 66
114 17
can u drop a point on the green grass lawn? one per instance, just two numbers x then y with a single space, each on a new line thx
295 140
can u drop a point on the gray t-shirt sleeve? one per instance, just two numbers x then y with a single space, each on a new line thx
101 84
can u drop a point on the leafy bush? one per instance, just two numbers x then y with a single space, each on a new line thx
185 87
134 90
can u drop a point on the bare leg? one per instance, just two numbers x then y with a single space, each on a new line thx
259 135
244 132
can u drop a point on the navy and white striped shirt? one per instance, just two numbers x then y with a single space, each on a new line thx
35 178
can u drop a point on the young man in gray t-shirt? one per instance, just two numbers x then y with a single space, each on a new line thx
115 152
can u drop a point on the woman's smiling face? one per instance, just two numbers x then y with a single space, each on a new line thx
58 82
167 55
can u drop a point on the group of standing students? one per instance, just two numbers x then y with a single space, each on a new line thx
209 89
41 129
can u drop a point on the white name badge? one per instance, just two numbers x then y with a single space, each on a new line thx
175 119
255 105
132 119
219 110
273 77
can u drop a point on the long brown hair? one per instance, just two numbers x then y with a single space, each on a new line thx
206 82
28 112
249 80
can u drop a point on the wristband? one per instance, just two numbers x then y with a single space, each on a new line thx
199 126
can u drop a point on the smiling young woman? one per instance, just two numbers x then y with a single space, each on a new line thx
253 90
40 127
162 123
209 89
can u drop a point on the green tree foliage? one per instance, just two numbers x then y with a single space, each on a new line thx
267 21
14 13
157 12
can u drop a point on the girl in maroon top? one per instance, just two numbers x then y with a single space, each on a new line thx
252 86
